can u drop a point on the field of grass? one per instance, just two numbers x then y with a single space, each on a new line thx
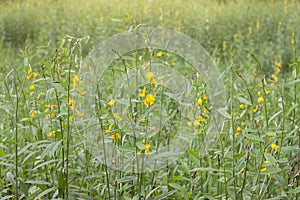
70 134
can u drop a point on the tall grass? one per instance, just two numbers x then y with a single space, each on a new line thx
255 44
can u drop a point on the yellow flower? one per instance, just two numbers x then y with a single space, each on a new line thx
275 78
242 106
197 132
190 124
50 135
29 73
255 109
266 162
75 81
205 111
117 117
196 123
224 46
116 136
260 100
38 97
267 91
259 85
150 100
236 134
72 118
52 115
53 106
143 93
263 169
271 138
238 129
147 146
80 114
31 87
111 103
275 147
149 76
250 29
159 54
109 128
205 97
259 94
71 102
270 175
257 25
142 121
199 102
244 124
202 119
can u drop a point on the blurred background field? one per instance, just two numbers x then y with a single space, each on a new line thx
263 28
254 43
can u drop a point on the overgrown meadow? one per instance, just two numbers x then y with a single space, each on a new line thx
61 139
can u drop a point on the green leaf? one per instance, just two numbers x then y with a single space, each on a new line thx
270 158
126 179
289 149
36 182
253 138
44 193
60 88
165 195
177 187
242 100
224 113
140 146
295 190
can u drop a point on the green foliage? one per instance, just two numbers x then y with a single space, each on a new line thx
42 155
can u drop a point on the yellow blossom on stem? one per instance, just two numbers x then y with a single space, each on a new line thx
53 106
202 119
31 87
270 175
159 54
236 134
117 117
142 121
143 93
50 135
275 147
116 136
71 102
255 109
199 102
205 111
75 81
238 129
263 169
149 76
260 100
205 97
80 114
150 100
275 78
259 94
147 146
72 118
196 123
109 128
111 103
